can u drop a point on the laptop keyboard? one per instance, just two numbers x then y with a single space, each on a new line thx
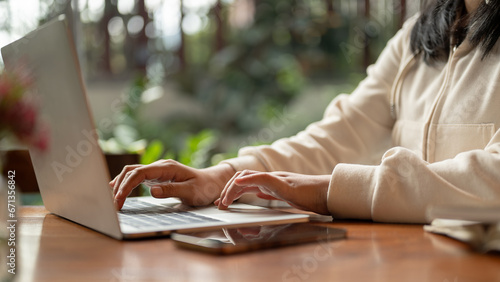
140 214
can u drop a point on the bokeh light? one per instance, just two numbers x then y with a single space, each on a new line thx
135 25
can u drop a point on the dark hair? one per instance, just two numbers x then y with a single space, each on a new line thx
444 23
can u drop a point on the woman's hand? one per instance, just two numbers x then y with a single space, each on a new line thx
306 192
168 178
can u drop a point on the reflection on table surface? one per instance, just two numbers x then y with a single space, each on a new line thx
54 249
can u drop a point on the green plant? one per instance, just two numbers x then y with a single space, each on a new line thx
196 152
126 137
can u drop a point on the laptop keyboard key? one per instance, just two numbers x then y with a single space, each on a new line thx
148 215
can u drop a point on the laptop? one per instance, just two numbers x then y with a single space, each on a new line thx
72 174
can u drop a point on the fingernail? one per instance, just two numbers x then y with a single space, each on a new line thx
156 191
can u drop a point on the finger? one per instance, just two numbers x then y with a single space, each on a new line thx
237 192
268 183
231 181
186 191
224 203
131 179
261 182
116 182
224 190
119 178
159 171
178 190
229 184
234 191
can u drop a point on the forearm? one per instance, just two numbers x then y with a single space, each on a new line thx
345 135
402 187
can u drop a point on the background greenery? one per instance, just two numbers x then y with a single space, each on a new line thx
250 71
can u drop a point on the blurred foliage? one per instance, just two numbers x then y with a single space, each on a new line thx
264 65
153 152
197 150
244 77
240 76
195 153
126 135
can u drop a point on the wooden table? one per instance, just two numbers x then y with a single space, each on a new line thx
53 249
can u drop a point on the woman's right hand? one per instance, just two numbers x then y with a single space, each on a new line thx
168 178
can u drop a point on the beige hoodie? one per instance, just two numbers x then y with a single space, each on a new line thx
411 135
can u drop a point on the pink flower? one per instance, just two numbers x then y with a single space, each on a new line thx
21 118
4 88
42 139
18 113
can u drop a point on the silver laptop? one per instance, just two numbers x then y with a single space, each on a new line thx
72 174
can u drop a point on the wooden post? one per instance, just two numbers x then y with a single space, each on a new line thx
402 12
181 52
331 11
219 33
366 51
110 11
142 40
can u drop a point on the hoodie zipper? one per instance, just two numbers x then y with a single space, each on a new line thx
427 127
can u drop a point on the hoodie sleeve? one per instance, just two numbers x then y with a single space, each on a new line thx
403 186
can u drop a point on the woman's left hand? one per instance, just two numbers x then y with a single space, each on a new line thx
306 192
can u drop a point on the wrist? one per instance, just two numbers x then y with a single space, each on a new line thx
225 171
220 174
323 194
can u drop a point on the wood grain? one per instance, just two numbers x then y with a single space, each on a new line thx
54 249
